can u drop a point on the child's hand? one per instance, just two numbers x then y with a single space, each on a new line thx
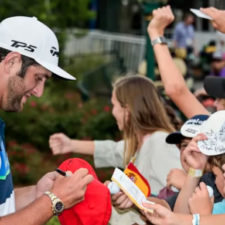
161 215
192 155
121 200
176 178
200 202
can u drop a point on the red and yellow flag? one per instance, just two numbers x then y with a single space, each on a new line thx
132 172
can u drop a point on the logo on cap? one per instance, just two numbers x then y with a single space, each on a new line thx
25 46
54 52
195 121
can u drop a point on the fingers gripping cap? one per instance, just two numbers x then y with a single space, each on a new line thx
214 130
32 38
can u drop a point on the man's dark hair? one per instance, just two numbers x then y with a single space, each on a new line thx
186 15
26 61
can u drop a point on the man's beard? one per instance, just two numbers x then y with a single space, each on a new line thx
14 99
14 104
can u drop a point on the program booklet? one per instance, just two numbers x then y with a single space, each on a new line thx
130 189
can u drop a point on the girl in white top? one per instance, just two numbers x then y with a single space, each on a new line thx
142 118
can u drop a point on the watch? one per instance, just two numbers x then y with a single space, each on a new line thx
57 204
159 40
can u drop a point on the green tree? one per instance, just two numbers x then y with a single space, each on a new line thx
57 14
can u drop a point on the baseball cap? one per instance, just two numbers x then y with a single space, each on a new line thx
214 129
174 138
96 207
30 37
215 86
189 129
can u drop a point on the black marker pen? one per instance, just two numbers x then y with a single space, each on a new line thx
63 173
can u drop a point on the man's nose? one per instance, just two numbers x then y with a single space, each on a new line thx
39 89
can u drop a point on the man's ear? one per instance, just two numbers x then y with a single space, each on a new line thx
12 62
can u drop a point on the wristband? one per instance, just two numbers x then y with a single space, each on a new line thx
196 219
195 172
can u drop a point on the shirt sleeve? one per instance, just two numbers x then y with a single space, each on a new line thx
108 154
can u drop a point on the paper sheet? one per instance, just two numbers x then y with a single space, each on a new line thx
130 189
198 13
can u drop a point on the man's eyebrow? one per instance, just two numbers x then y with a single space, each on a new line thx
47 76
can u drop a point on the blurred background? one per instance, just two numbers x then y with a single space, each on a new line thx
100 40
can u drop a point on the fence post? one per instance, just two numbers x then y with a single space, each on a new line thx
148 8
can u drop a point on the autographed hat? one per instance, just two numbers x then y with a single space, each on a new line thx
189 129
96 207
214 129
215 86
30 37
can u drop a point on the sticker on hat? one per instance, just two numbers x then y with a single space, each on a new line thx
214 129
192 126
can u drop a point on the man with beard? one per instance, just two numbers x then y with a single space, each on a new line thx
28 57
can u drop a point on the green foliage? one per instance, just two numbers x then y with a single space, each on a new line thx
79 65
55 13
53 221
26 161
90 120
27 133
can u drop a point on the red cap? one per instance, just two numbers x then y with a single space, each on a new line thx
96 207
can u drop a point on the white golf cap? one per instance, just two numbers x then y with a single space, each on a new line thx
32 38
189 129
214 129
192 126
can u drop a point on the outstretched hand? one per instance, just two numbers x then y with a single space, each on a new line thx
218 17
60 144
162 17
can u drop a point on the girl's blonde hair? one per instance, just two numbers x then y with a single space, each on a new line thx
147 114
